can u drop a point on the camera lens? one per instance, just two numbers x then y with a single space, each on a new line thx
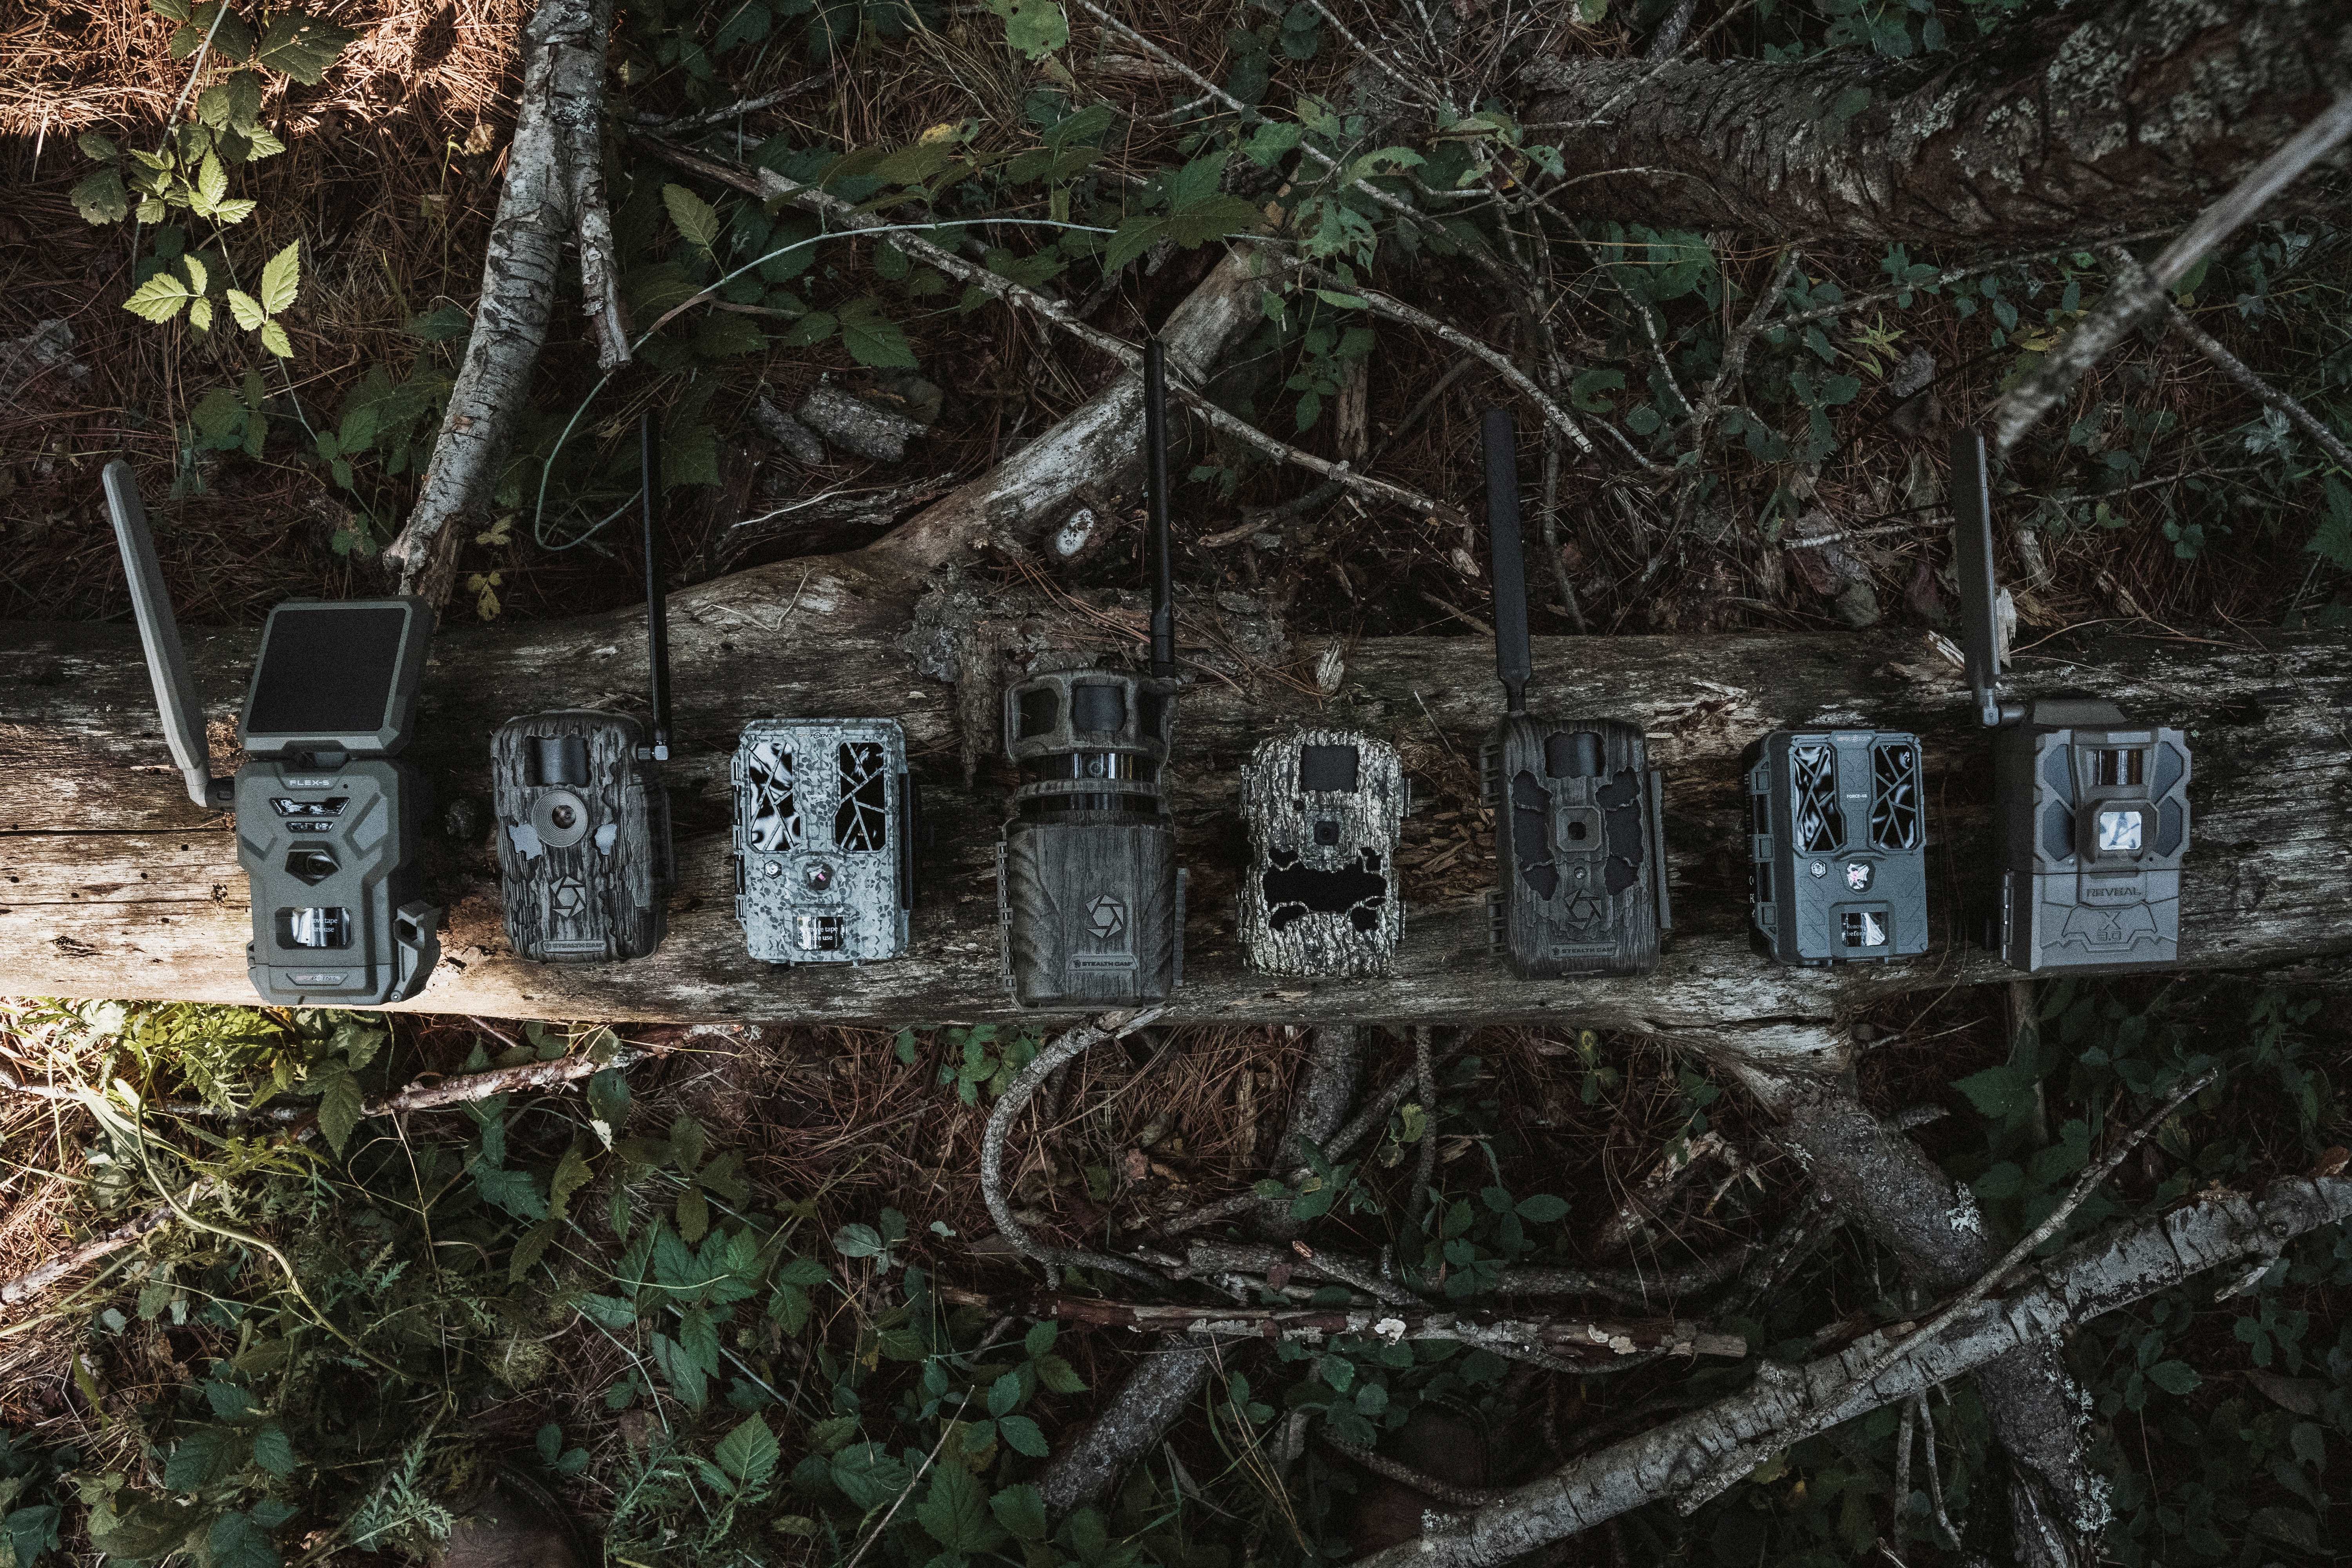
562 816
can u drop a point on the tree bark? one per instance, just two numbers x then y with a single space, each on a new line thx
112 885
2070 125
2107 1271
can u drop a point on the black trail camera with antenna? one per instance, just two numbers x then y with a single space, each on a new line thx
327 822
1088 890
2091 809
824 839
1580 868
1325 809
584 839
1837 845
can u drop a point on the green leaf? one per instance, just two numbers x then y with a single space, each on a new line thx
531 1248
723 334
1022 1433
273 1451
810 330
2332 540
611 1311
340 1105
955 1512
237 1541
200 1459
1004 1394
696 219
748 1453
247 309
683 1372
200 315
100 198
93 145
302 46
274 338
1022 1510
872 338
159 298
2174 1376
747 23
1034 28
439 325
1040 1338
281 275
1542 1209
1135 235
211 183
1998 1091
1058 1376
571 1173
869 1477
517 1192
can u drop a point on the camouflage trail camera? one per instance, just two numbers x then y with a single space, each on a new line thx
1325 809
1088 894
2092 810
824 839
1580 868
1837 841
328 820
583 838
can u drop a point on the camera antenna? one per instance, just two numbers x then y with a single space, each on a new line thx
1973 563
1514 662
159 633
1155 503
656 598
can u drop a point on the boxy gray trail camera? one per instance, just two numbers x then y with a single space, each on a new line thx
1325 809
1088 890
583 841
824 839
327 821
1580 863
2092 810
1837 841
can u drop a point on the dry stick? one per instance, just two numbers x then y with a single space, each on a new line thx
1424 1165
2131 300
1093 1032
1735 362
1356 1276
743 106
2245 376
1730 1466
1406 1475
770 186
1556 416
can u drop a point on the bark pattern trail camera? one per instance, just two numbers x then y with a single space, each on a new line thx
1089 897
327 821
584 831
1325 809
824 839
2091 809
1581 862
1838 845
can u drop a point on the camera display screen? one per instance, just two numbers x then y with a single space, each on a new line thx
327 672
2119 832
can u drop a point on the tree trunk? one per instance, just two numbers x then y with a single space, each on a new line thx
112 885
2083 121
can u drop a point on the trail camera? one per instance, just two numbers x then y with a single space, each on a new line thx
1325 809
327 822
1088 890
583 841
1837 845
824 839
1582 866
2092 810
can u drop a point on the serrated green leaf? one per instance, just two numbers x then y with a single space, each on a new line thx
696 219
99 197
2174 1376
1034 28
273 1450
230 214
274 338
1021 1433
1058 1376
339 1104
238 1541
211 183
1021 1510
159 298
611 1311
530 1247
212 105
200 315
1135 235
748 1453
93 145
872 338
683 1373
1040 1338
571 1173
956 1514
516 1191
301 46
247 309
810 330
198 1459
281 277
1004 1394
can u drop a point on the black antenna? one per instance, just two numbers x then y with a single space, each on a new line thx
1155 502
1513 660
1972 565
656 598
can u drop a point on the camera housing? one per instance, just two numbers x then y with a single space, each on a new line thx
825 818
328 819
2091 809
1326 809
1837 845
1580 861
586 860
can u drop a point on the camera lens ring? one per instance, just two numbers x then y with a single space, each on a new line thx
559 817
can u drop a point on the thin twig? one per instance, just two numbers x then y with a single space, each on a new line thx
2245 376
1406 1475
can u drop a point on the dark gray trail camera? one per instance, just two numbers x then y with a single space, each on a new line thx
1325 809
1581 862
585 858
1088 890
2091 809
824 839
328 822
1837 845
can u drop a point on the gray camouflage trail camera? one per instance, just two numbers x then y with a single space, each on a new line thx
1325 809
1580 861
328 822
583 841
2092 810
1837 845
824 839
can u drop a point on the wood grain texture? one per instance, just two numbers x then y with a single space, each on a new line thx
111 884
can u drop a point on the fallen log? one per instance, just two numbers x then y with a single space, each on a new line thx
112 885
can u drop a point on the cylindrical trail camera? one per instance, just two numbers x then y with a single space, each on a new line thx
328 822
1580 863
1088 893
1325 809
2091 809
824 839
583 841
1837 845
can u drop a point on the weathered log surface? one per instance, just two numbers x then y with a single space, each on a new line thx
112 885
